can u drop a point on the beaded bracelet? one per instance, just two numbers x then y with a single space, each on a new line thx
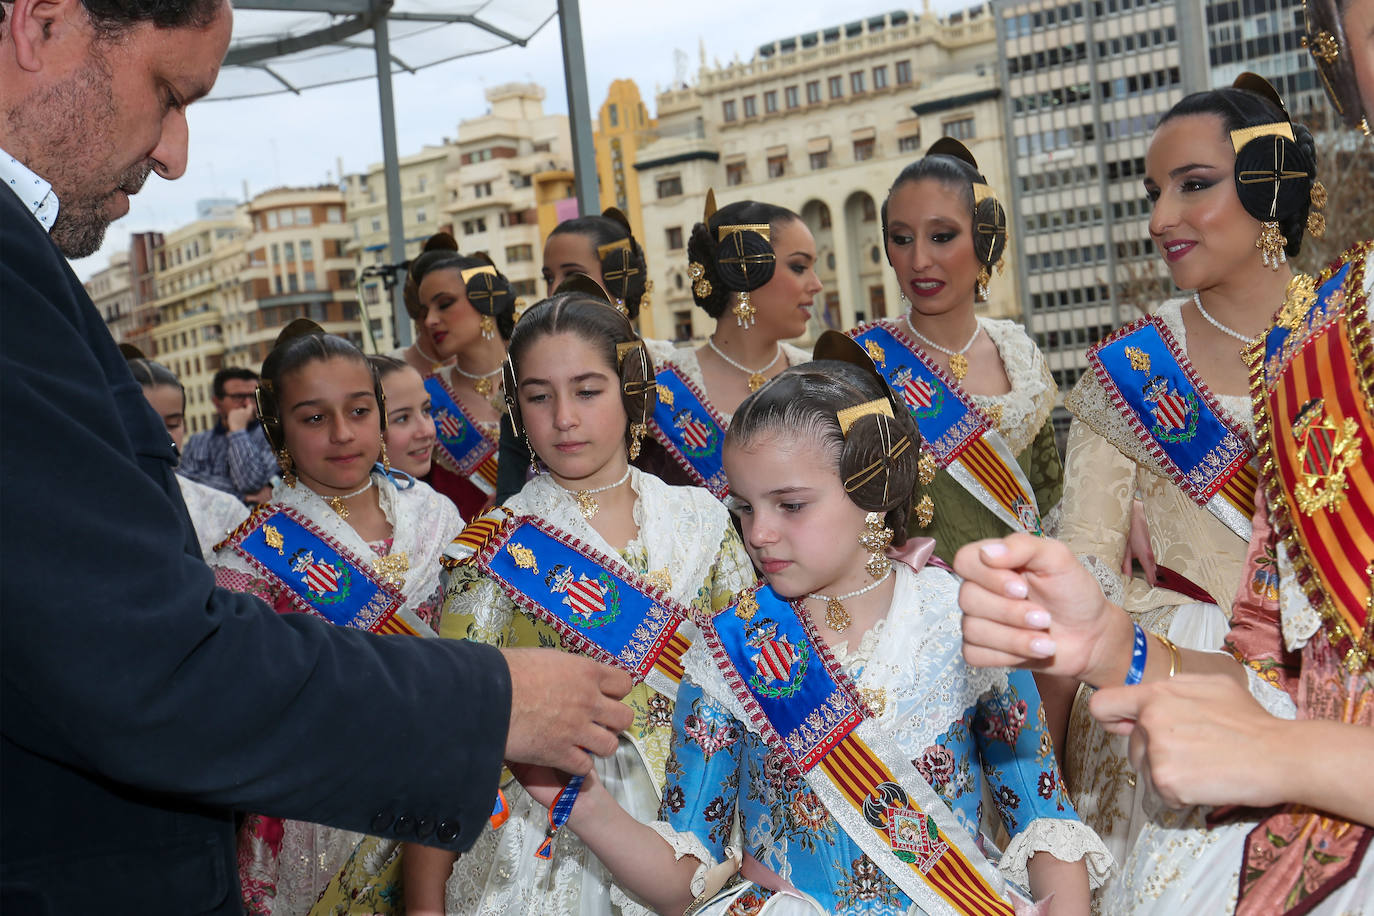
1138 651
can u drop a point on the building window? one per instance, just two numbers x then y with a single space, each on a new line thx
831 315
736 173
682 325
820 161
823 217
751 106
777 166
674 234
836 87
863 149
870 213
307 250
856 82
792 97
877 302
519 253
482 189
903 72
614 114
303 216
770 101
813 97
669 187
880 77
289 250
728 110
909 144
962 129
310 280
420 215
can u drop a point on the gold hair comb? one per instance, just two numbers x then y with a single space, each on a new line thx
603 250
762 229
622 348
471 272
850 415
982 192
1273 129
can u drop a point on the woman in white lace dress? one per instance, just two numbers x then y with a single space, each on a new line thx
1194 467
580 383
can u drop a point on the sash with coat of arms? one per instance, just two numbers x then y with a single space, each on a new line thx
1313 385
1155 387
808 710
959 436
463 448
599 608
690 430
321 576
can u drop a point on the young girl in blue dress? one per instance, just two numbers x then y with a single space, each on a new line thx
823 463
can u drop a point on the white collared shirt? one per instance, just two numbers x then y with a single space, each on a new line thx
35 193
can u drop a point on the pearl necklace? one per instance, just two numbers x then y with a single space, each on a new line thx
756 376
1197 301
588 506
836 617
337 503
958 362
481 383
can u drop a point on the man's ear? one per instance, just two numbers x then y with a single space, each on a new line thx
39 28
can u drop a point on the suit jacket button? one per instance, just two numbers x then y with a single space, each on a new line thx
448 831
404 824
381 820
424 827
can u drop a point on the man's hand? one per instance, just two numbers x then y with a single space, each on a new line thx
238 419
257 497
563 709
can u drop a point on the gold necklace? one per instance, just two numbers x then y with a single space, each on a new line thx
481 383
836 617
958 362
756 376
586 504
337 503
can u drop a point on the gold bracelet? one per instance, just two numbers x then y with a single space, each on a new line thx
1175 656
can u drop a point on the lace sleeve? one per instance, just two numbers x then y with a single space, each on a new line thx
1066 840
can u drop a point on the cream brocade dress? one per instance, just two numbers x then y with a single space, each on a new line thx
1106 465
687 545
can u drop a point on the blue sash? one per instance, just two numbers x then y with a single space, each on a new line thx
959 436
805 708
1289 332
463 448
1156 389
690 430
599 608
322 578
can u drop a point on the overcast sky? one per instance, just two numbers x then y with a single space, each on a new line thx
300 139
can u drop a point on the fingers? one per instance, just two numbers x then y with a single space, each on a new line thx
1112 705
1011 645
615 683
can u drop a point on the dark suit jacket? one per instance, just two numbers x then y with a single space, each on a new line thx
139 703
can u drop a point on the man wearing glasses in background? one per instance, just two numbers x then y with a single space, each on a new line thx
234 456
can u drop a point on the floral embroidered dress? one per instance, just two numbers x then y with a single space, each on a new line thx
284 865
686 544
960 726
1107 464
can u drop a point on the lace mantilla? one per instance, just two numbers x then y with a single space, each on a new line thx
1024 409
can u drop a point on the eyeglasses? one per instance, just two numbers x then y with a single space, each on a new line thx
239 398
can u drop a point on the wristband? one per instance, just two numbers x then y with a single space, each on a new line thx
1138 651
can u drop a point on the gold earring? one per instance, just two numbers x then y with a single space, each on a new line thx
744 310
700 285
875 540
925 511
1270 243
984 278
926 468
637 432
288 467
1316 220
534 459
386 462
488 327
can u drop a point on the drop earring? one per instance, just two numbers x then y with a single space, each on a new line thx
386 462
1270 243
288 467
744 310
875 539
984 278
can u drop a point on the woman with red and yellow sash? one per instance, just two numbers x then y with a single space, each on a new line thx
340 540
594 550
827 719
979 389
1164 410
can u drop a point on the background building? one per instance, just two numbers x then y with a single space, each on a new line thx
1265 37
821 123
113 294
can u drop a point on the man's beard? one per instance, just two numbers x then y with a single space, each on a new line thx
77 123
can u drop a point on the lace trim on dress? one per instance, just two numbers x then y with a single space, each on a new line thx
1067 841
868 644
1275 700
1298 619
1108 578
1025 408
686 843
685 358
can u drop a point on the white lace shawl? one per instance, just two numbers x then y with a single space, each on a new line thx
918 663
1023 409
214 513
422 525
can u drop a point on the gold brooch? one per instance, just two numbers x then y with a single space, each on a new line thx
391 568
747 606
273 538
523 557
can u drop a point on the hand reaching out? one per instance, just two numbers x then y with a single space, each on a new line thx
1028 603
563 709
1138 549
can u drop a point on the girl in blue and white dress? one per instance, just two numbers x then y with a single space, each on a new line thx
823 464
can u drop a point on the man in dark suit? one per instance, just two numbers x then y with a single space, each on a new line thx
141 705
